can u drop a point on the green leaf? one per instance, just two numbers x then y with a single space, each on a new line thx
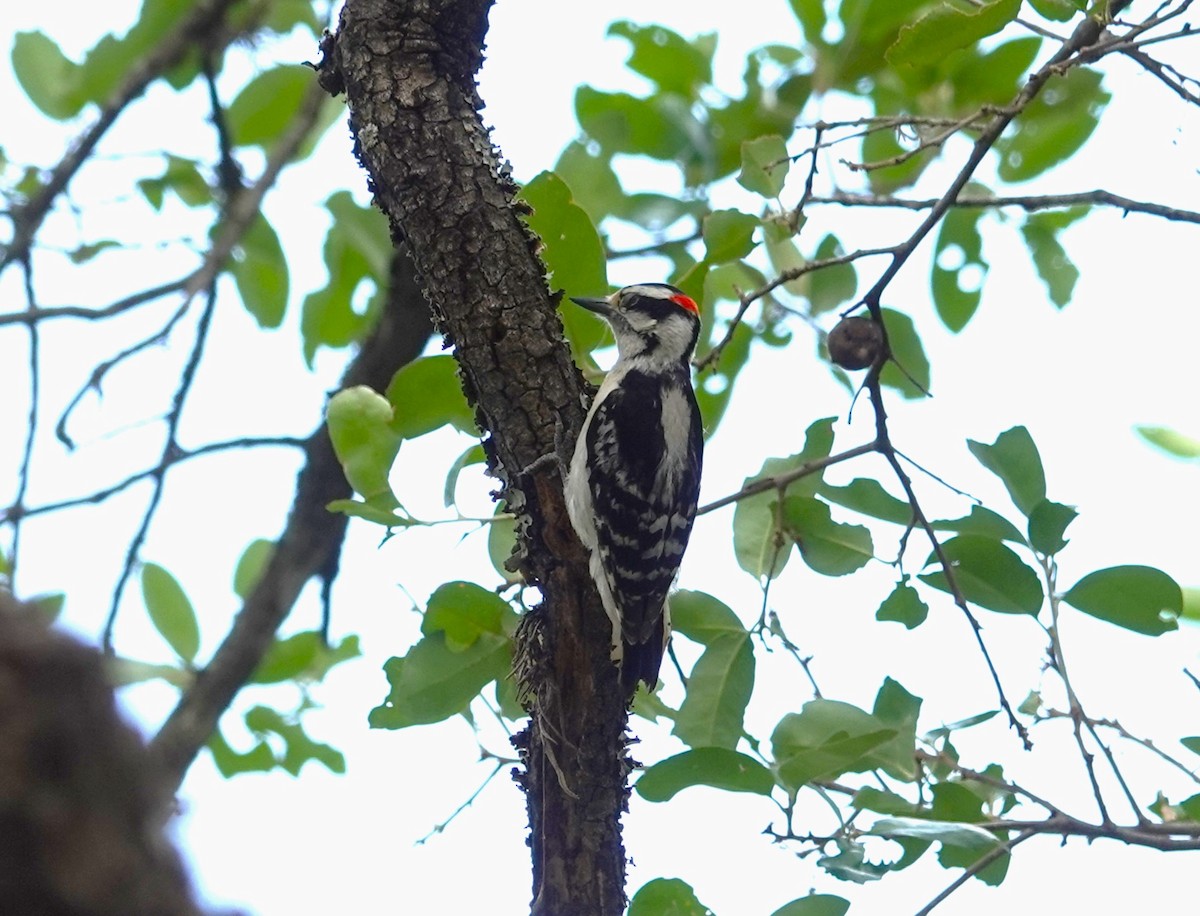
48 607
465 612
1015 460
815 905
370 512
433 682
170 611
908 353
949 833
658 212
904 164
764 165
1170 441
728 235
761 110
811 14
426 395
983 522
85 253
783 253
720 683
1049 257
265 108
251 565
718 690
259 759
473 455
121 672
718 767
703 619
360 428
904 606
664 57
298 747
303 657
1139 598
830 286
1054 126
288 658
960 245
824 740
1047 523
112 58
945 29
573 253
51 81
850 864
1192 744
896 707
944 731
181 176
1058 10
502 543
992 78
828 547
363 229
1191 604
666 897
261 272
988 574
868 497
593 183
661 127
883 802
357 254
754 519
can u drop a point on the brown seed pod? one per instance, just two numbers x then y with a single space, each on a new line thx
855 343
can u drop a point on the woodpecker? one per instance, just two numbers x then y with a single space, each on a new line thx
634 478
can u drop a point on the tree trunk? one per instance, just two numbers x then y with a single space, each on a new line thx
408 69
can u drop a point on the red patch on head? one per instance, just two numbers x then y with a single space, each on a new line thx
686 302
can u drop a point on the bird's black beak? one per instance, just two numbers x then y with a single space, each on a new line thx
599 306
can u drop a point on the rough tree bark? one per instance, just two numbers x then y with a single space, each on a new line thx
408 69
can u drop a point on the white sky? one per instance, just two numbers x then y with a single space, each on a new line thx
1121 354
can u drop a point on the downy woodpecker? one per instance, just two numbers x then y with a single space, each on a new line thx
635 474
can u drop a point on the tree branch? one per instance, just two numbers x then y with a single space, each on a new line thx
408 71
27 218
1030 202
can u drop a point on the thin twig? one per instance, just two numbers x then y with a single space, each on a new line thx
90 314
975 868
1086 34
170 445
884 447
1001 784
31 432
776 628
441 828
780 481
1121 730
17 512
242 212
1029 202
745 300
96 378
